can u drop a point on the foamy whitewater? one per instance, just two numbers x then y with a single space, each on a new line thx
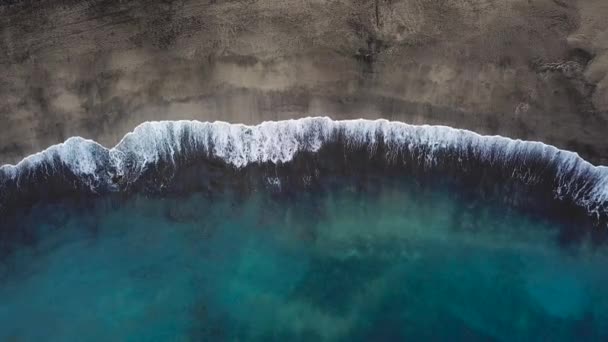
98 168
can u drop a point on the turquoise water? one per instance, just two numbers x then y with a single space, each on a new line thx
387 262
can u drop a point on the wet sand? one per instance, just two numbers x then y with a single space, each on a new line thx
533 70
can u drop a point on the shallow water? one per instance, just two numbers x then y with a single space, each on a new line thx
385 261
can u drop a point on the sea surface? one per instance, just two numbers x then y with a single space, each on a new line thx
380 259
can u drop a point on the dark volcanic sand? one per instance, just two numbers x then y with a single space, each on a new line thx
520 68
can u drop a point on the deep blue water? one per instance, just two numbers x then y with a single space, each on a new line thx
388 262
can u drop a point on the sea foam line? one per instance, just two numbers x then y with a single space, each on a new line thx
279 141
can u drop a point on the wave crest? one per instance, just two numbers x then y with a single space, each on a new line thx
100 169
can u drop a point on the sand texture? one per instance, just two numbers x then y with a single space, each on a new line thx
529 69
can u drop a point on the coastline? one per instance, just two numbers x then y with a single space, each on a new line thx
337 170
151 158
581 134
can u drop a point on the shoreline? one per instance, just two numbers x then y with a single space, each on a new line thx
154 154
40 153
587 148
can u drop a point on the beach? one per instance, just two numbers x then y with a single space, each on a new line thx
527 70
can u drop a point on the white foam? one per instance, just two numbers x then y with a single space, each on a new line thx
279 141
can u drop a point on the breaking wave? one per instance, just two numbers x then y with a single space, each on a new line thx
163 148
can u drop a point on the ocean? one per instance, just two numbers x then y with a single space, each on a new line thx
303 230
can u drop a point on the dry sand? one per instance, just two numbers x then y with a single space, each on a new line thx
530 69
